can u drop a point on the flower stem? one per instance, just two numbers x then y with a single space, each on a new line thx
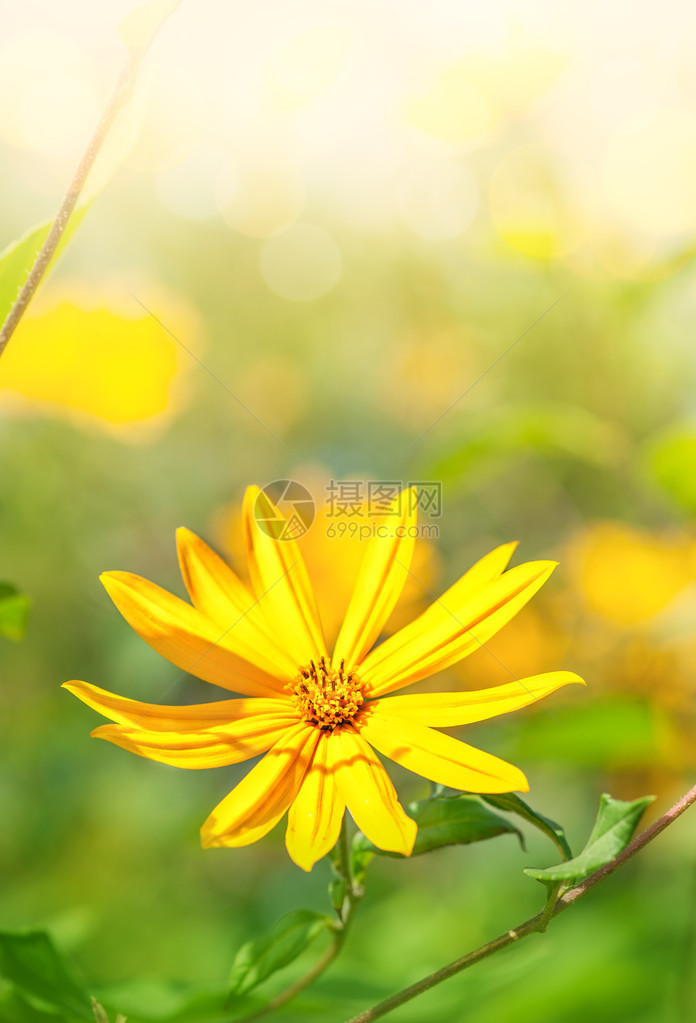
535 924
299 985
118 99
354 894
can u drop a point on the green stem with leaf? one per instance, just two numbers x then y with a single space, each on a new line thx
535 924
351 894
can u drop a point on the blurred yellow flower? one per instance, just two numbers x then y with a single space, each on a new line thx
317 715
627 575
532 640
97 360
531 206
415 379
472 96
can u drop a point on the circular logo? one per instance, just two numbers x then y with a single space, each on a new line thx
284 510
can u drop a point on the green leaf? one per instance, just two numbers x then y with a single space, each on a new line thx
31 962
338 890
671 459
511 803
564 431
454 820
613 830
19 257
15 1009
14 608
157 1000
257 960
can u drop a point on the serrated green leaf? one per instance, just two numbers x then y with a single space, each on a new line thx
30 961
511 803
257 960
457 820
14 609
613 830
19 257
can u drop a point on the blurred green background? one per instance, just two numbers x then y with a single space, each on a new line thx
425 242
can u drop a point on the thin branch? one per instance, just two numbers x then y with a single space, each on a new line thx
635 846
299 985
119 98
535 924
354 893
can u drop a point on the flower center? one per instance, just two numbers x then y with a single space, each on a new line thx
325 696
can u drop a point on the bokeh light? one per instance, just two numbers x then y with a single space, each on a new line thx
301 263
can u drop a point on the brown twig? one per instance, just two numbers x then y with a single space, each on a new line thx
118 99
635 846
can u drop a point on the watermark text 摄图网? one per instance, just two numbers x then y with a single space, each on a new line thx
365 499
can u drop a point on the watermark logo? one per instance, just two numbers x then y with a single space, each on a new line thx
285 510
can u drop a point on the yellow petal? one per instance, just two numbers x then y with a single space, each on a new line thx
458 623
217 592
161 718
368 792
262 797
440 758
187 638
281 584
383 572
443 710
314 821
211 747
487 569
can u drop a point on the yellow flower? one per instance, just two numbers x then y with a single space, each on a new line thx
629 576
317 715
89 358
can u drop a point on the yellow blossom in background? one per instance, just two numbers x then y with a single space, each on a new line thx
85 356
629 576
319 715
531 208
630 593
474 95
531 641
417 375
